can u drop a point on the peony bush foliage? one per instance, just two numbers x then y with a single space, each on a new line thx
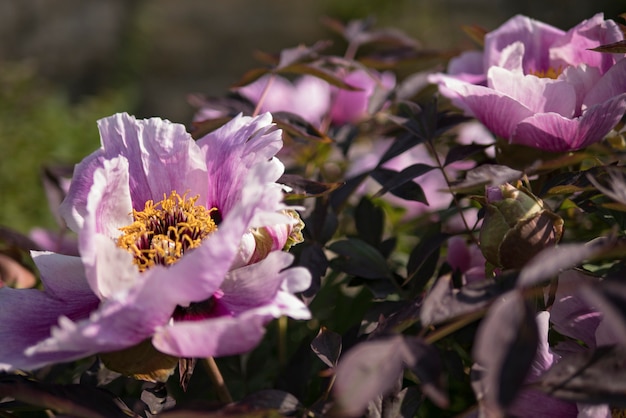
380 232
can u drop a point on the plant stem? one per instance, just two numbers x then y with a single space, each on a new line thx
218 381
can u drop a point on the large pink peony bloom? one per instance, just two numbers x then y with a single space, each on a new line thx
179 245
538 86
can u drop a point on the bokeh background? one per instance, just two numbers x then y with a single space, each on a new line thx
66 63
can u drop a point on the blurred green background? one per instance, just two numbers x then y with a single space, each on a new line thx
66 63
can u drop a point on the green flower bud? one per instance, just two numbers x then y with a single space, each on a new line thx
516 226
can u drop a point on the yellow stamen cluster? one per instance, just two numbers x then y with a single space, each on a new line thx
552 73
164 231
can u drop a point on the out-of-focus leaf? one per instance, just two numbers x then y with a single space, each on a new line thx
553 260
202 128
372 368
251 76
486 175
283 402
17 239
327 346
157 399
360 259
71 400
297 127
369 220
412 84
476 33
424 361
403 316
316 70
53 179
407 190
593 376
609 297
368 370
302 187
360 32
229 411
462 152
618 47
505 346
301 53
616 188
400 179
444 303
14 274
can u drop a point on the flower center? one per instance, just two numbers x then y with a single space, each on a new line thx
164 231
552 73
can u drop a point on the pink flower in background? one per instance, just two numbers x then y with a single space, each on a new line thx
538 86
351 106
307 96
466 258
180 245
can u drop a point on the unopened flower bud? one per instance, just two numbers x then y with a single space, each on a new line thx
516 226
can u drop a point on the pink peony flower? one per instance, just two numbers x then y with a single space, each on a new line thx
307 96
351 106
538 86
169 245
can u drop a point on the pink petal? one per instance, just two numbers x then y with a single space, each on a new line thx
27 316
161 155
612 84
540 95
536 37
574 47
552 132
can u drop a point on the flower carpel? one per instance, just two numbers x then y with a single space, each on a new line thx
162 232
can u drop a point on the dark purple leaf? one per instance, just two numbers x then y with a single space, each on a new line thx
462 152
424 361
302 187
486 175
251 76
593 376
315 69
444 303
343 193
407 190
327 346
314 259
367 371
618 47
402 143
551 261
505 346
17 239
53 178
156 398
72 400
282 402
296 126
360 259
373 368
609 297
370 221
429 246
401 178
299 54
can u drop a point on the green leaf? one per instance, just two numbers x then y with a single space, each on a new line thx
360 259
